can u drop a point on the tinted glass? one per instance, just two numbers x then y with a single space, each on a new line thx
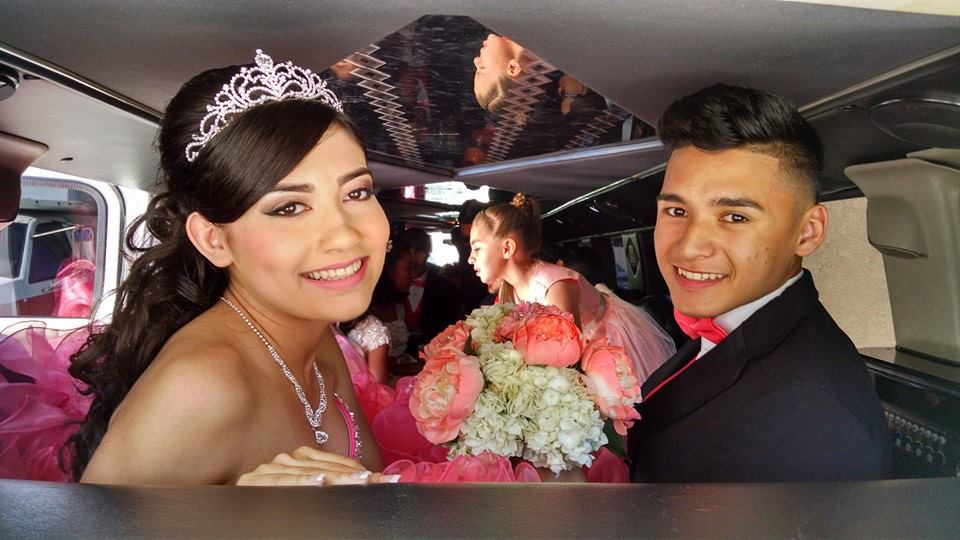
11 249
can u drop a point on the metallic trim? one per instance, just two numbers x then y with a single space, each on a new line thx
909 376
832 100
915 100
38 67
609 187
561 157
578 239
124 265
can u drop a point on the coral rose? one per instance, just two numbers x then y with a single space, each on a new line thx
549 339
516 318
454 336
445 393
608 374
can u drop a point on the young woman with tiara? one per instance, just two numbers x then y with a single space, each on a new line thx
504 239
219 364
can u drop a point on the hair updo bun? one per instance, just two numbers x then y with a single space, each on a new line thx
520 218
521 201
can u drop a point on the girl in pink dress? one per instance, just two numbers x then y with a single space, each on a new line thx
503 240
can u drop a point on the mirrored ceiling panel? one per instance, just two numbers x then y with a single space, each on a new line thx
447 92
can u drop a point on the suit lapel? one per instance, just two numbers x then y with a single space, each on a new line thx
707 377
684 354
720 368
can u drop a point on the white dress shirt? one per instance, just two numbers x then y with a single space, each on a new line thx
732 319
415 294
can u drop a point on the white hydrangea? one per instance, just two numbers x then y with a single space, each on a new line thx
564 426
501 363
489 428
484 320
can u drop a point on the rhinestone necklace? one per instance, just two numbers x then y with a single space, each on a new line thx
314 417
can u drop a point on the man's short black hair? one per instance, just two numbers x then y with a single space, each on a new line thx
723 117
419 240
468 210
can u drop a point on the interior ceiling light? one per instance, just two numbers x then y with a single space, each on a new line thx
450 193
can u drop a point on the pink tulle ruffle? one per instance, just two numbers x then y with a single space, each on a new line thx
396 433
40 403
486 467
372 396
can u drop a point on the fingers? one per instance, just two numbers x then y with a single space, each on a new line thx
309 466
291 461
378 478
287 470
282 475
306 452
281 479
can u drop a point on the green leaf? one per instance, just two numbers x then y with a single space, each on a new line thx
617 444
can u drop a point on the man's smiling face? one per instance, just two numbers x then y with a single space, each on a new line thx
729 228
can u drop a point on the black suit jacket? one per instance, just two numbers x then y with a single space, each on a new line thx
785 397
439 307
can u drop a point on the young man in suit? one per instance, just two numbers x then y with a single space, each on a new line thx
770 388
431 304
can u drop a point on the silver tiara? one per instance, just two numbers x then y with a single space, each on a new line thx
257 85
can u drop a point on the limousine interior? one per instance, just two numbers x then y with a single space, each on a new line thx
83 84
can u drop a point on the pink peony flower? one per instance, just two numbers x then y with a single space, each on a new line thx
516 318
454 335
608 374
549 339
445 393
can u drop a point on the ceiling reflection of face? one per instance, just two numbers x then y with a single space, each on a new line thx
414 93
492 62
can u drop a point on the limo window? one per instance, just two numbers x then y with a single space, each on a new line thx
52 254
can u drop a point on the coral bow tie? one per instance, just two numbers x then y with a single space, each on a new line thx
696 327
420 282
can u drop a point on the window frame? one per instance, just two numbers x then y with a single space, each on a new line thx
109 234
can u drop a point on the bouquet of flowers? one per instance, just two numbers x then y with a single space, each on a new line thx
520 381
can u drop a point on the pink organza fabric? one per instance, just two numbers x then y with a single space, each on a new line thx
40 403
396 433
373 396
486 467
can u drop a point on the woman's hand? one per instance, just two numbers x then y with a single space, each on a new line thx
308 466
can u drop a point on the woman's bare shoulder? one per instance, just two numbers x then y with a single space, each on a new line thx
184 418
